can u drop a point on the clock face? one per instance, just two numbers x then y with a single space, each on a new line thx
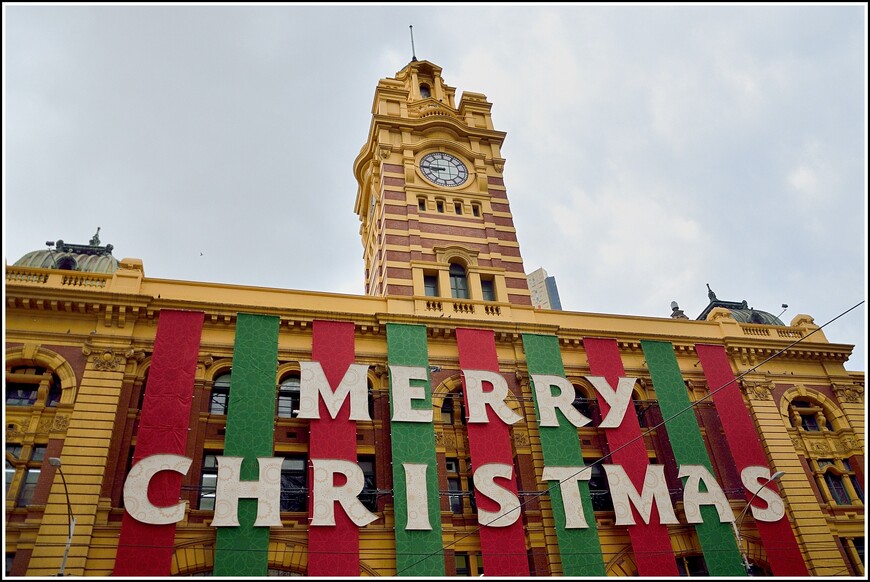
444 169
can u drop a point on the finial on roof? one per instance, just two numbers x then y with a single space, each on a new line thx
413 52
710 294
95 241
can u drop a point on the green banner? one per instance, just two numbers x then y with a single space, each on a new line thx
579 548
717 539
244 550
418 552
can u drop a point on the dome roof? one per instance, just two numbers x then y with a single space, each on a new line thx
91 258
739 311
755 316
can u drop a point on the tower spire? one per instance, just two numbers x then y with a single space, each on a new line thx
413 52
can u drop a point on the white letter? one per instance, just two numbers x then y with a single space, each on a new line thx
509 505
693 497
326 493
571 500
267 492
750 476
618 400
404 393
477 398
136 489
313 381
417 494
547 403
655 488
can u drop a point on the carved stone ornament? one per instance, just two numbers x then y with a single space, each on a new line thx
521 439
108 361
849 393
821 447
384 152
757 390
61 423
851 443
44 425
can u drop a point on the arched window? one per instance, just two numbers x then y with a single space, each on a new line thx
458 281
220 395
586 406
23 384
808 415
425 91
453 408
840 480
288 396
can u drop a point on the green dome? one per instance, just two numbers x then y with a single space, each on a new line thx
90 258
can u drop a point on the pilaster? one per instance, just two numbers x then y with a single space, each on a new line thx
91 425
813 535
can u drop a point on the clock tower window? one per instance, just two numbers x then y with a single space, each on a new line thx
487 287
430 285
424 91
458 281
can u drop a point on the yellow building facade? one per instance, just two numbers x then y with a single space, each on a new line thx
94 351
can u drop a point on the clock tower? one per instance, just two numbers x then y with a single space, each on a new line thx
435 219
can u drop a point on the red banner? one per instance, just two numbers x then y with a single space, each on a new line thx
333 550
503 548
147 549
650 542
783 554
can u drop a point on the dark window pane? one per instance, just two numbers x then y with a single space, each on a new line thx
208 485
488 288
462 568
369 495
28 487
837 489
458 282
808 421
21 394
220 395
288 397
294 484
430 284
455 500
600 490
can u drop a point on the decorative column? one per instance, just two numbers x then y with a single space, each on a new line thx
85 455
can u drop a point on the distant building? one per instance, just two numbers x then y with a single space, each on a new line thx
545 295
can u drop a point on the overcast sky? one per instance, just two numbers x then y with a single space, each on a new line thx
650 150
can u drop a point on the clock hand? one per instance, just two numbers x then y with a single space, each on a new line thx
437 168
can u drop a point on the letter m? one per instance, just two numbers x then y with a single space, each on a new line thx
354 384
